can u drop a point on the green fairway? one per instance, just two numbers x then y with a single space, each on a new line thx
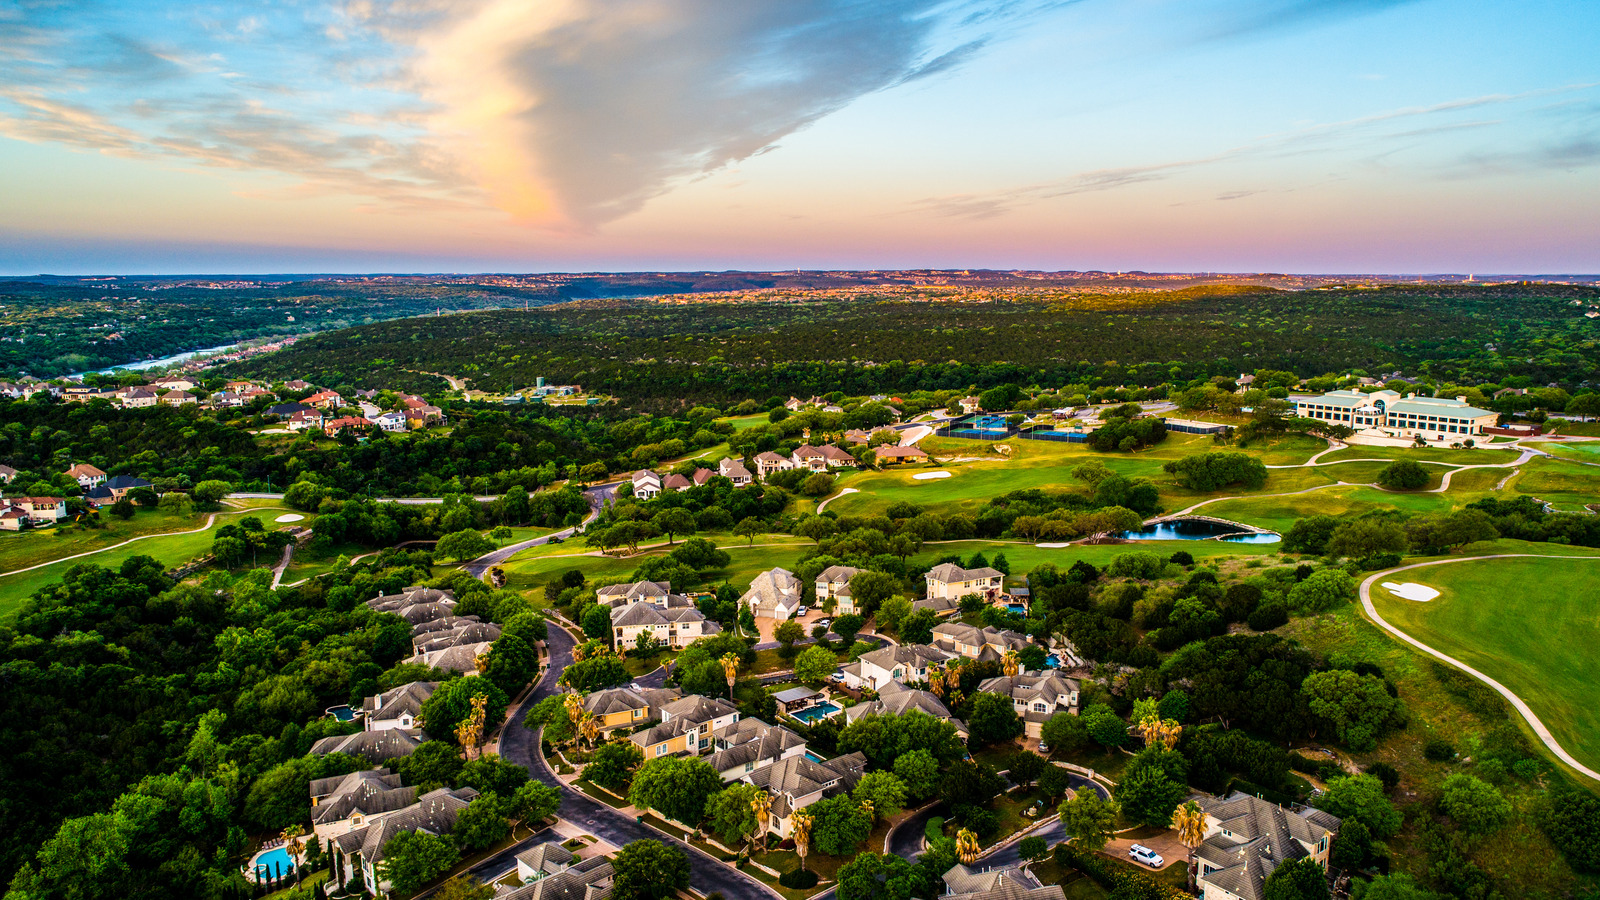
171 550
20 550
1278 513
1582 451
1530 624
1569 486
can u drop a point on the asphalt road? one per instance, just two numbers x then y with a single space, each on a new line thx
598 496
519 745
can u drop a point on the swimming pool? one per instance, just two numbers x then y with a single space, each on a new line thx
1200 530
1017 608
1052 661
813 714
815 756
270 864
342 713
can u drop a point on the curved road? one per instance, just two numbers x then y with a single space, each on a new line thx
599 495
520 745
1521 707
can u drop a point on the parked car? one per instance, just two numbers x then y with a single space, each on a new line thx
837 678
825 623
1044 749
1142 854
801 612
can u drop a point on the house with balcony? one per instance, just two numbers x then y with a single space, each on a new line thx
751 744
625 708
951 582
688 725
1035 697
903 663
986 643
344 803
833 583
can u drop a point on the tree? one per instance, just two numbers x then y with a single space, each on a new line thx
305 496
1088 819
1297 879
1404 475
748 528
411 859
1573 824
1055 781
839 825
787 632
434 764
1357 707
534 801
892 613
1391 887
596 623
674 521
511 664
876 876
1361 798
482 824
814 665
1363 538
815 528
871 590
1065 732
210 493
123 508
883 792
846 627
463 545
1024 767
1153 785
1475 805
1584 406
1033 848
648 870
461 887
1207 472
732 816
1104 726
1322 591
595 673
675 787
919 771
492 774
1189 820
993 719
612 765
592 472
452 702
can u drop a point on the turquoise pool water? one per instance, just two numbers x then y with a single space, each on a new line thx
343 713
812 714
814 756
272 863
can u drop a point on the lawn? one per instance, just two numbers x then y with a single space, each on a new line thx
1583 451
1278 513
1567 485
1477 456
534 566
20 550
1528 623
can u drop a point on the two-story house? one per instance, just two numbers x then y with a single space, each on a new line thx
951 582
833 583
616 709
646 484
751 744
796 782
735 471
434 813
1000 883
895 699
769 463
396 707
86 475
687 726
904 663
673 626
1247 838
344 803
1035 697
551 872
986 643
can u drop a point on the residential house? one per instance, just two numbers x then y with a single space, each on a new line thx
139 398
939 606
328 400
297 385
898 662
7 474
969 405
547 875
656 592
796 782
769 463
40 509
86 475
344 803
751 744
774 594
734 470
461 658
284 410
1001 883
178 398
234 400
391 422
806 456
898 454
833 583
434 813
675 626
373 746
676 482
701 476
1036 697
986 643
359 423
835 458
119 485
306 420
646 484
1247 838
687 726
12 518
426 638
895 699
952 582
396 707
423 413
628 707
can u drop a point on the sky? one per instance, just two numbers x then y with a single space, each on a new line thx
1311 136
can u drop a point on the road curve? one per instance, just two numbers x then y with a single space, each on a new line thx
598 496
1521 707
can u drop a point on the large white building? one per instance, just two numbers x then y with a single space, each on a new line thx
1435 418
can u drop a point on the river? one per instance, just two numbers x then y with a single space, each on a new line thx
147 364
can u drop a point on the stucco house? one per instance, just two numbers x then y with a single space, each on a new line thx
434 813
986 643
903 663
646 484
769 463
344 803
1000 883
833 583
751 744
951 582
86 475
796 782
674 626
735 471
396 707
628 707
895 699
1035 698
687 726
1247 838
774 594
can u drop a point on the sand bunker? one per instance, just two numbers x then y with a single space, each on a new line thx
290 517
1411 591
923 476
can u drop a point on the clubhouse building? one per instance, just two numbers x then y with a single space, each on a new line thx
1434 418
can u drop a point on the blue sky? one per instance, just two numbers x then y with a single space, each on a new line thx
505 135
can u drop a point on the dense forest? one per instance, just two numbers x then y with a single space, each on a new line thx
660 354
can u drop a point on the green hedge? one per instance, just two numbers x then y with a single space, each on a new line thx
798 879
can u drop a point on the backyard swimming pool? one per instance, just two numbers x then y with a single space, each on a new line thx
270 864
814 756
814 714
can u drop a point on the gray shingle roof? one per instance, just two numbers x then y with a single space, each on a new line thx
373 746
407 699
1256 838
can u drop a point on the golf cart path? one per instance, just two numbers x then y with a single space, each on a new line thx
1521 707
211 519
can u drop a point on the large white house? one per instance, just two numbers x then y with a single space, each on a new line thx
774 594
903 663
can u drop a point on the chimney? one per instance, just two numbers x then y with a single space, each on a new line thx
1461 399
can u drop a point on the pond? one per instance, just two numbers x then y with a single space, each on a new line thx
1200 530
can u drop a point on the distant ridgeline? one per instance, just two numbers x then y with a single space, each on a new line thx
653 353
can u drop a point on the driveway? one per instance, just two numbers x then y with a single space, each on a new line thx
519 745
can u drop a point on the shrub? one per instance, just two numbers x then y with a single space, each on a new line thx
1389 775
1439 751
934 829
1269 615
798 879
1404 474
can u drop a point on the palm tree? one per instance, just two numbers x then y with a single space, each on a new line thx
573 703
1011 665
801 832
730 671
761 805
967 846
470 732
936 680
294 842
590 729
1190 822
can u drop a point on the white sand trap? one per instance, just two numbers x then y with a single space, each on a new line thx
1052 546
1411 591
924 476
289 517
